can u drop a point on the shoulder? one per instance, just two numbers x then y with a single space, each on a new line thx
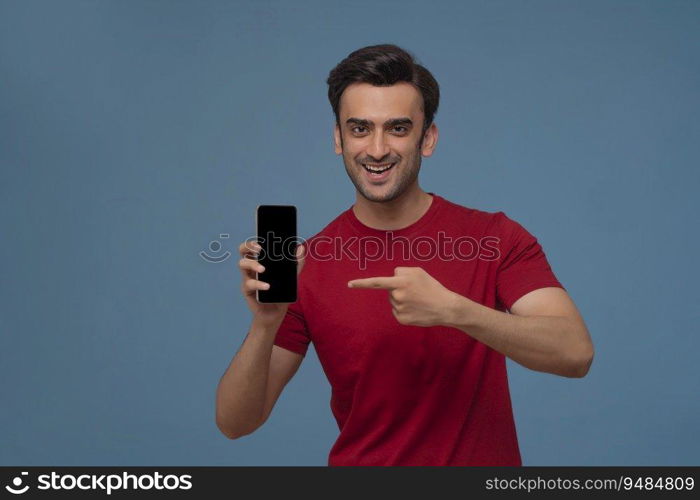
330 230
496 223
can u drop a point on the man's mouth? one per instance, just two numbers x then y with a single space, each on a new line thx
378 171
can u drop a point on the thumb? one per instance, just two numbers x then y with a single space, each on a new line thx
301 257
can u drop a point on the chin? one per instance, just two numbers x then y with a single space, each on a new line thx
388 196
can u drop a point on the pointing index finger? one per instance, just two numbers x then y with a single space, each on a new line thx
387 282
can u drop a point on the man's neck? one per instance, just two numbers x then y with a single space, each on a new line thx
395 214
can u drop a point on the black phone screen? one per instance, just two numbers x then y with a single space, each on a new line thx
277 236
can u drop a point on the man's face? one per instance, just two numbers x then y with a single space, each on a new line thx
381 126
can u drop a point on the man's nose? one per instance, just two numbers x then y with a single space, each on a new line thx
378 147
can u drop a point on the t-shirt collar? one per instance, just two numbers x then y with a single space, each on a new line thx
413 228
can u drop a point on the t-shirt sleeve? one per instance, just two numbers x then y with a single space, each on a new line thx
293 333
523 266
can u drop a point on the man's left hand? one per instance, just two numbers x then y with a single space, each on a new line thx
416 297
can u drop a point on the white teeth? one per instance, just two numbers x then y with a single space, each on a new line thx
371 169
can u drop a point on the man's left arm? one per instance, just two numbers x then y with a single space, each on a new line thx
544 332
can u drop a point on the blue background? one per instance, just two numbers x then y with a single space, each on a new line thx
133 134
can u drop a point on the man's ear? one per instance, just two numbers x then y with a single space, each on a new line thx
337 140
430 140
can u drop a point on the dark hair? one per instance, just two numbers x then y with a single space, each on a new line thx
383 65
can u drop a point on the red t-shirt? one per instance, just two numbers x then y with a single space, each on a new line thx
404 394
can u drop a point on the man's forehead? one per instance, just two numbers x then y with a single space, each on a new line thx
375 103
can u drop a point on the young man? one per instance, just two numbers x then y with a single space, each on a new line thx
412 302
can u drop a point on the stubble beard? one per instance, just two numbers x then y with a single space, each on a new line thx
406 174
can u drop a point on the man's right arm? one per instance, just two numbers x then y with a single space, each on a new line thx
258 372
253 382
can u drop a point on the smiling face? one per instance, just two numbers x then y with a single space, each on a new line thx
381 127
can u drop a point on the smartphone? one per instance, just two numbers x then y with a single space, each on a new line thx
276 227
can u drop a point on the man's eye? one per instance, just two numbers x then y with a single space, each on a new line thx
359 129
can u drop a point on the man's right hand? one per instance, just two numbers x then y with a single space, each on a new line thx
248 265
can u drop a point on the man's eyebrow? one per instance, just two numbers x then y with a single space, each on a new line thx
391 123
